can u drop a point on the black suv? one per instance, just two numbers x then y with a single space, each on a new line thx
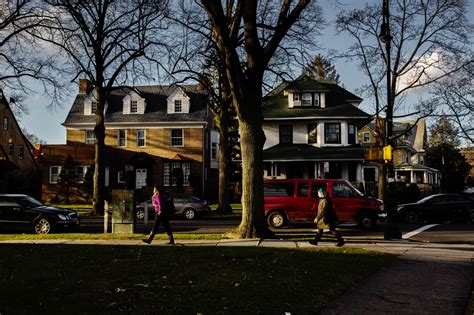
26 213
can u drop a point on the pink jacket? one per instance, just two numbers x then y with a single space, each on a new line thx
157 203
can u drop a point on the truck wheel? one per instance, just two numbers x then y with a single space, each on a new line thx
276 219
367 221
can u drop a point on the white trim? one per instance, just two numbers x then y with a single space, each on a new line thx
57 176
182 137
144 138
118 138
138 125
118 177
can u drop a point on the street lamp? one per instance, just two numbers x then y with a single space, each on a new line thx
391 230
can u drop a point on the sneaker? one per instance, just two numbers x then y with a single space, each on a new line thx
145 240
313 242
340 243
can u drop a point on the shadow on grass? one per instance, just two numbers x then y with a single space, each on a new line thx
189 280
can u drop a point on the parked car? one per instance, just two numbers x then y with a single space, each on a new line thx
186 206
23 212
293 199
439 207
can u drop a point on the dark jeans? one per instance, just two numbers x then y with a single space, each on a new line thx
161 218
319 233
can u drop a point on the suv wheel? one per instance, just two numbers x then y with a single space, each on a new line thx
367 221
276 219
42 226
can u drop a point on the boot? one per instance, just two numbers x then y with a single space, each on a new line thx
171 239
146 240
316 239
340 240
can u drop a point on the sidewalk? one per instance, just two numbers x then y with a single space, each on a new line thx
426 278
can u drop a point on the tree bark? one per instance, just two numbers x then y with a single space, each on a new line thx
99 130
225 163
253 217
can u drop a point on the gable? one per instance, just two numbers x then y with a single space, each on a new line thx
178 99
89 102
133 103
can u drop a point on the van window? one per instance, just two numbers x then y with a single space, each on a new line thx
303 189
341 191
279 189
315 187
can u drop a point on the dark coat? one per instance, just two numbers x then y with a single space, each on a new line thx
326 218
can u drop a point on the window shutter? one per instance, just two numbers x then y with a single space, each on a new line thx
126 105
170 106
87 107
141 106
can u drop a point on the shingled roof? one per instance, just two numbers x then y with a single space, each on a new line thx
156 108
306 152
339 101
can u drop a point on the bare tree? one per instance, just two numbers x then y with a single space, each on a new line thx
108 42
453 99
249 37
22 57
429 40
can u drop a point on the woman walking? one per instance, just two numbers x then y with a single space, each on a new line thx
326 219
163 208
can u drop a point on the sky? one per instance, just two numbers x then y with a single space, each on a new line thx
47 126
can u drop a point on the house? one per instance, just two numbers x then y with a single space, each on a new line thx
311 131
18 169
409 155
154 135
468 153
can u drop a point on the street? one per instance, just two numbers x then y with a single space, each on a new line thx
430 233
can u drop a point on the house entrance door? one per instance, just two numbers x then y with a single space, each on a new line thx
140 178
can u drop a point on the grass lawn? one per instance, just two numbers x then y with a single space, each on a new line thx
177 280
101 236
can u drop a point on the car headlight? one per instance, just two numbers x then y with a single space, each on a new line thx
63 217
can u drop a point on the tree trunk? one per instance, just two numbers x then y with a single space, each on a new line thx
252 139
225 163
99 130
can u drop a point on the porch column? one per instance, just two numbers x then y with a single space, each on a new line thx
425 177
360 173
411 177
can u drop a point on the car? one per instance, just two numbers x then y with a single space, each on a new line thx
23 212
186 206
439 207
297 199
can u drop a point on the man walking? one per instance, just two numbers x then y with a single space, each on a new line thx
326 219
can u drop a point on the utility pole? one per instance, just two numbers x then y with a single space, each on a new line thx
391 229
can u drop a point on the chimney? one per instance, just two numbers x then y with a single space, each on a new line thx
84 86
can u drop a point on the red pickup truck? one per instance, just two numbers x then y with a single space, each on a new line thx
297 199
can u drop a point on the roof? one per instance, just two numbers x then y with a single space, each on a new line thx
339 101
411 166
156 108
417 138
306 152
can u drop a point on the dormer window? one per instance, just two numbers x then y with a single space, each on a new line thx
178 106
305 99
134 107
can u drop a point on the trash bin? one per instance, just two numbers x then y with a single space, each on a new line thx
123 209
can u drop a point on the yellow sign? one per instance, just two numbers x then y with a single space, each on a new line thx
387 153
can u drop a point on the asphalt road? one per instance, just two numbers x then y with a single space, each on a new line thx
431 233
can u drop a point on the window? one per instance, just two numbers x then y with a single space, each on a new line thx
140 138
81 173
213 151
312 133
307 99
351 133
279 190
286 134
341 191
93 108
5 123
21 152
332 132
121 138
303 189
273 170
133 107
178 106
177 138
11 149
120 177
90 137
54 172
296 97
169 179
366 137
